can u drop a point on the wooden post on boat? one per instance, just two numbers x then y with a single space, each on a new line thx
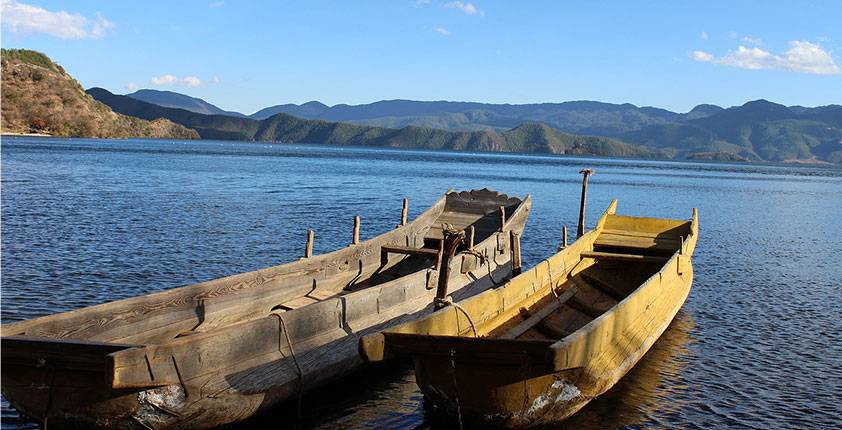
356 239
471 233
502 217
581 230
452 240
404 211
564 236
308 250
516 262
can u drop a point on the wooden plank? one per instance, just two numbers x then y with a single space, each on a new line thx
298 302
544 312
323 293
57 353
469 349
642 242
623 257
409 250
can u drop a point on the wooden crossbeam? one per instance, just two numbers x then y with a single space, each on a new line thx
623 257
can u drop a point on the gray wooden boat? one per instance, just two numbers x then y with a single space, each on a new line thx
220 351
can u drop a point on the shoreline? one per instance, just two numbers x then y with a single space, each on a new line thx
814 163
13 134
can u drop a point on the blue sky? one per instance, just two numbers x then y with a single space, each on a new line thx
245 56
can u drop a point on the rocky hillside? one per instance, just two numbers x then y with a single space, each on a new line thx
38 96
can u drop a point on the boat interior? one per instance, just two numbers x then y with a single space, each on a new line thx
623 256
549 302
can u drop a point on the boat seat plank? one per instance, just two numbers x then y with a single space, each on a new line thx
637 242
472 349
408 250
536 317
623 257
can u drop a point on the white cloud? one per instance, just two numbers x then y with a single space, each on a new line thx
131 86
100 26
216 4
704 35
810 58
468 8
168 80
748 40
192 81
26 19
164 80
804 57
702 56
443 31
215 80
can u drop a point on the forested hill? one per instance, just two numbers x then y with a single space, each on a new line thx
758 130
530 137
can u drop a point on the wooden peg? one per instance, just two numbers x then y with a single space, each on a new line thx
308 250
564 236
516 257
502 217
581 230
356 239
471 233
404 211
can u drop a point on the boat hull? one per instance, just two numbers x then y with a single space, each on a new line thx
227 374
538 349
484 395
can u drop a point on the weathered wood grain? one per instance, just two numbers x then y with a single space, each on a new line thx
220 351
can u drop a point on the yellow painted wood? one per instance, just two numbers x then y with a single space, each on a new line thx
574 369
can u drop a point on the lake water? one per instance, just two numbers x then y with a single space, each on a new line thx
758 343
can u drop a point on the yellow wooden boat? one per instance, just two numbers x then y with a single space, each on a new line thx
539 348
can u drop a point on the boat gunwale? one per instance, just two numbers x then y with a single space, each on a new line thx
196 288
238 325
559 347
19 328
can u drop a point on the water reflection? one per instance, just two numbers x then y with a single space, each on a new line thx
650 390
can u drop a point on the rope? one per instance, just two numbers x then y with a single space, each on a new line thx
456 388
294 359
448 301
483 259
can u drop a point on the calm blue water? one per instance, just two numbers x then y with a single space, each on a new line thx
757 345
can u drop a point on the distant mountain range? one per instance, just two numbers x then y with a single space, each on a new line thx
759 130
38 96
528 137
181 101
